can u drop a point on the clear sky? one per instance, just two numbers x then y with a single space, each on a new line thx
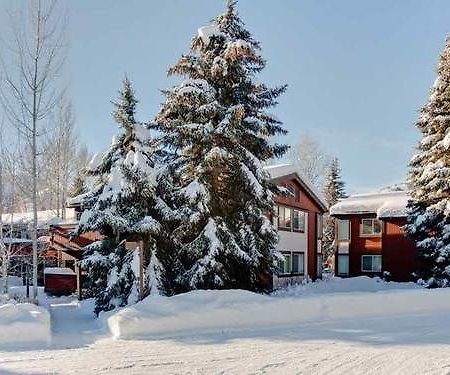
358 71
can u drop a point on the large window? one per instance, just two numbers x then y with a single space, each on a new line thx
371 227
298 221
343 230
371 263
343 265
293 263
284 218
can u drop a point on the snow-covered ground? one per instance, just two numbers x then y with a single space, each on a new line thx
364 327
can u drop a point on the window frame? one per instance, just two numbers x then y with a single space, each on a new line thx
301 228
372 256
290 255
319 228
339 222
280 227
319 265
286 255
301 254
373 233
340 273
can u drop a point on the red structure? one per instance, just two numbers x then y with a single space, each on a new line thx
60 281
300 226
370 239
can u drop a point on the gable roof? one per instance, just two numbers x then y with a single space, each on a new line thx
385 204
285 170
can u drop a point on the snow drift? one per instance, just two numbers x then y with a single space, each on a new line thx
23 324
217 311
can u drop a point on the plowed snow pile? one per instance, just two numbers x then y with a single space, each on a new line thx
214 311
23 325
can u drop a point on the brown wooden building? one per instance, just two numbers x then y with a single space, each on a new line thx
370 239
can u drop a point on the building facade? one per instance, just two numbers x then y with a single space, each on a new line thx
370 239
299 221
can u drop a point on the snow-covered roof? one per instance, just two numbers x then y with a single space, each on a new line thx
15 241
75 201
45 218
385 204
281 170
58 271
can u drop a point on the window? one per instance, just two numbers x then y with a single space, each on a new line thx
298 263
285 265
319 265
319 224
291 189
370 227
343 230
293 263
299 221
343 266
371 263
284 217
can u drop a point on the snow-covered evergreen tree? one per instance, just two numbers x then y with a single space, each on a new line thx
429 207
216 132
334 191
122 205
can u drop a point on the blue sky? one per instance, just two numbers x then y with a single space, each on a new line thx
358 71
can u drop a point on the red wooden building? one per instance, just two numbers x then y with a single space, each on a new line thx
300 226
370 239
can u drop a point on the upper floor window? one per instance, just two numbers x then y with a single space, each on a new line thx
284 218
319 224
343 230
298 222
371 227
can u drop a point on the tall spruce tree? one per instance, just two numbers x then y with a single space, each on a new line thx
122 205
334 191
216 131
429 207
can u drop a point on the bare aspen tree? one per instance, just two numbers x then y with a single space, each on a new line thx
61 160
7 206
308 156
31 88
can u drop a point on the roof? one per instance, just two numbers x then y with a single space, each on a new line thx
45 218
384 204
283 170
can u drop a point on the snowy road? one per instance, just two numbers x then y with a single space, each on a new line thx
393 329
404 345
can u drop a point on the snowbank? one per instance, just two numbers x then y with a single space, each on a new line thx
214 312
23 325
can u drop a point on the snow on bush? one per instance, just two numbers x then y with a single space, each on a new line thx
217 311
23 324
342 285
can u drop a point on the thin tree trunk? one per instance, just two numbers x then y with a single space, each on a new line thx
34 162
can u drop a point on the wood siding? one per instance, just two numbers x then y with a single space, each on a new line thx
399 256
399 253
